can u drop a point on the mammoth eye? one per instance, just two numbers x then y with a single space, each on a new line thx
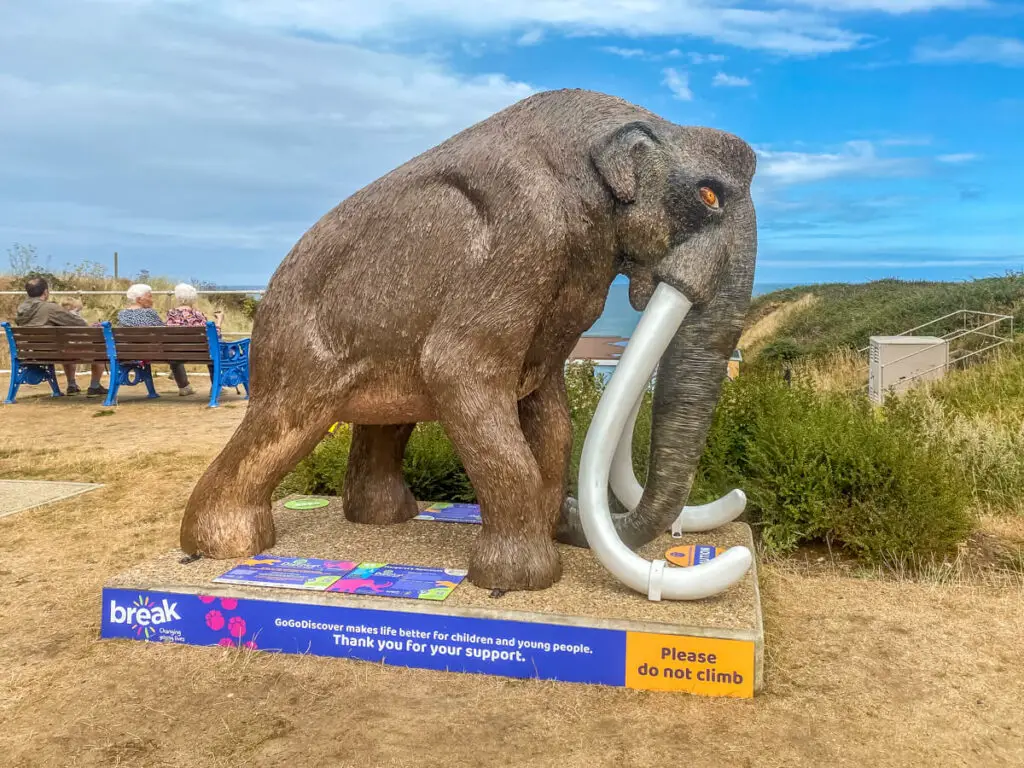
707 194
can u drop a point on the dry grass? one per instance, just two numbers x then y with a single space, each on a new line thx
859 670
845 370
763 330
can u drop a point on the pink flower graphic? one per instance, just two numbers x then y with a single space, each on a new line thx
228 603
207 598
236 626
215 620
251 645
226 642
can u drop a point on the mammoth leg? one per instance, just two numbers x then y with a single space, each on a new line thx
544 417
514 549
375 491
228 514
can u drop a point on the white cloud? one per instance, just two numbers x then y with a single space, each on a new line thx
532 37
731 81
961 157
907 141
893 6
702 58
781 30
626 53
979 49
678 83
158 122
857 158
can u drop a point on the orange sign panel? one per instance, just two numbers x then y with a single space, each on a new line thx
707 666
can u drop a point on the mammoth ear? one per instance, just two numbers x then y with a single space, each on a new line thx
615 157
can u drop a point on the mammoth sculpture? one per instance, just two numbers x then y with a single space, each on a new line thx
454 288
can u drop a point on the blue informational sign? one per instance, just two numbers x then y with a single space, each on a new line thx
450 512
287 572
423 640
391 580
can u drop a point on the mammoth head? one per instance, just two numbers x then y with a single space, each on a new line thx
682 205
685 229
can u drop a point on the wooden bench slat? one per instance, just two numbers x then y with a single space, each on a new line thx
173 357
31 334
71 349
53 359
160 331
159 349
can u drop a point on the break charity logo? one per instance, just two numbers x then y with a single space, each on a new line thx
144 614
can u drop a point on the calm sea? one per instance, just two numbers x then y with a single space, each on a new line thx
618 318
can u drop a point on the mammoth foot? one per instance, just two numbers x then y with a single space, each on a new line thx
227 533
506 562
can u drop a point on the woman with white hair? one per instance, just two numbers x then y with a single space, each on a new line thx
186 313
140 313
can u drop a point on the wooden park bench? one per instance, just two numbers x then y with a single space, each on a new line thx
129 353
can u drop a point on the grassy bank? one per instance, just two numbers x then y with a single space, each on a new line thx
820 320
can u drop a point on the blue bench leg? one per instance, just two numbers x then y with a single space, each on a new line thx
51 376
215 387
12 390
116 374
147 377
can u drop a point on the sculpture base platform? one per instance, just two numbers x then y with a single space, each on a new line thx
588 628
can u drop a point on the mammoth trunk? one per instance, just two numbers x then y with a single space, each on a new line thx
691 371
689 381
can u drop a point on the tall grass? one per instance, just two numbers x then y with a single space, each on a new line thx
238 309
845 315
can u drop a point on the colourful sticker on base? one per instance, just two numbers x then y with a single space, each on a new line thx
692 554
306 503
409 581
448 512
287 572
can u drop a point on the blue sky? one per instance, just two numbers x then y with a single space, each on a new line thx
200 139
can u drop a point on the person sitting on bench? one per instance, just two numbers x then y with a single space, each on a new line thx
38 311
140 313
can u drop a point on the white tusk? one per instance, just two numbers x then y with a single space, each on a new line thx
664 314
705 517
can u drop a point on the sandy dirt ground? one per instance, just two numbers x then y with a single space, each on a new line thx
859 671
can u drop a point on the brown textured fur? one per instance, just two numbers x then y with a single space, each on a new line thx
454 289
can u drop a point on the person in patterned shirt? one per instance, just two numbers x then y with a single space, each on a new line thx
186 313
140 313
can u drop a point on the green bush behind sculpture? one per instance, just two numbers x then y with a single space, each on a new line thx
814 465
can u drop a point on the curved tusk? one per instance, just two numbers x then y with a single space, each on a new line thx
695 519
664 314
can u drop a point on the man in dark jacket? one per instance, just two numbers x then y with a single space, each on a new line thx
38 311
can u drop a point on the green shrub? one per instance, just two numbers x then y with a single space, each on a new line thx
432 468
782 351
815 466
826 466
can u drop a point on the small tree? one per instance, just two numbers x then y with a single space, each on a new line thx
23 259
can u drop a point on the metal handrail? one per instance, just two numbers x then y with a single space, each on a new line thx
964 312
